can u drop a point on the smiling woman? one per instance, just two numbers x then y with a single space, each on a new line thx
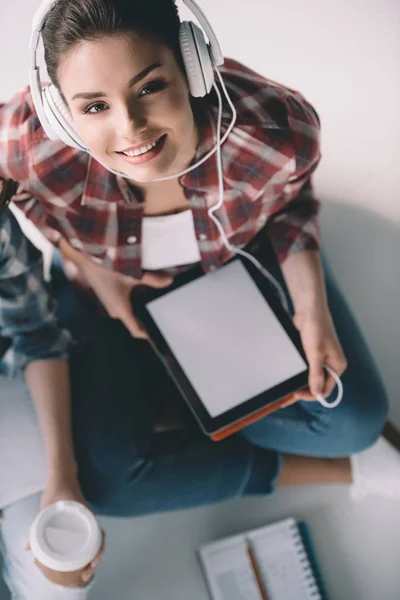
136 119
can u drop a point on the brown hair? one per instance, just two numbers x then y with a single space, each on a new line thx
70 22
8 189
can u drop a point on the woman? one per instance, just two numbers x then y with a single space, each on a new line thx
140 120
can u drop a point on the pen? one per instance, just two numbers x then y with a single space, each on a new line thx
256 571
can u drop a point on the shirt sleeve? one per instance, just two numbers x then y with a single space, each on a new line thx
19 130
293 226
27 311
17 122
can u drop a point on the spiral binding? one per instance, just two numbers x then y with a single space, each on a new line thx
309 580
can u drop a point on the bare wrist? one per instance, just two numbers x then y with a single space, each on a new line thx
311 304
62 469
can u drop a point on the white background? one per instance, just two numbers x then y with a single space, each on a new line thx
344 55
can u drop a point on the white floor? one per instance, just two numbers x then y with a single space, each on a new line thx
154 557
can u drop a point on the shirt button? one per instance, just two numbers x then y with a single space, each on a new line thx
202 237
132 239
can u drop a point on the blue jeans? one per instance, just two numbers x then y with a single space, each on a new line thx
119 385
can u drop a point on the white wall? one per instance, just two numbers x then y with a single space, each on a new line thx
344 55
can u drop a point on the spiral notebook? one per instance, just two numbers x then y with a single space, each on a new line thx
275 562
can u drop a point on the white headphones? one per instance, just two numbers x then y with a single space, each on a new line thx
198 57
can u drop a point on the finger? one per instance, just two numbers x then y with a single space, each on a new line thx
329 386
87 575
95 562
156 280
336 360
132 325
27 546
305 395
316 378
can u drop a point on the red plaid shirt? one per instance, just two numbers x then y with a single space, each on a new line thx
267 162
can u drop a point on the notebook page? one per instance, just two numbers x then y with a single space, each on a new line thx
283 562
228 570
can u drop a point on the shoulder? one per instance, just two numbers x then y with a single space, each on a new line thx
19 122
19 114
26 152
264 101
279 116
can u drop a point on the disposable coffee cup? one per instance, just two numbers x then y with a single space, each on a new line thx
64 539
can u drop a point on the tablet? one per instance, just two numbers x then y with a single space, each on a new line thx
225 339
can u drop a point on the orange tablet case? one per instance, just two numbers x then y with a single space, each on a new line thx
238 425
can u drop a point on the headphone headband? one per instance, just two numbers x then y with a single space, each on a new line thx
206 25
38 21
47 5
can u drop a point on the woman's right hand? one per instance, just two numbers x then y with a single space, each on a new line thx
114 289
114 292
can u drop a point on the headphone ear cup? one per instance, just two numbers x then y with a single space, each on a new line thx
59 118
196 58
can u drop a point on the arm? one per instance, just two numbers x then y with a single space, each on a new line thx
48 382
20 134
305 279
111 288
295 236
27 316
304 276
293 226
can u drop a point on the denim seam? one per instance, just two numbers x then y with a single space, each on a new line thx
7 570
247 474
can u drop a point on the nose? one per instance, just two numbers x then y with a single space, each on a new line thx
132 120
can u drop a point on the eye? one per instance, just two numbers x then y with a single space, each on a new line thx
94 109
152 87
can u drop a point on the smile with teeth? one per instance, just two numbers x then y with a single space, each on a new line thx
142 150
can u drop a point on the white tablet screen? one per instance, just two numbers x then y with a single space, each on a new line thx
226 338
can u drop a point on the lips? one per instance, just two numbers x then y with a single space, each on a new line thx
142 148
144 152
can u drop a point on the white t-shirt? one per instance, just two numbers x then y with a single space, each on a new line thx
22 453
169 241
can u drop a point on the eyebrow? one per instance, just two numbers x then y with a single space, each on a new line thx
131 82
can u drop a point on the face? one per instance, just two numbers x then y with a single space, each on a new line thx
130 104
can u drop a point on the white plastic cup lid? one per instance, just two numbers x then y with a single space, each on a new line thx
65 536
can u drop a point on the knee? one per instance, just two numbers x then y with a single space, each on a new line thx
366 422
110 492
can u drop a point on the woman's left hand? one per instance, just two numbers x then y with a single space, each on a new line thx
67 488
321 345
